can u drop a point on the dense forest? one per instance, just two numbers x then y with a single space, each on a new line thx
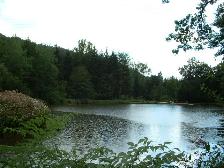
53 74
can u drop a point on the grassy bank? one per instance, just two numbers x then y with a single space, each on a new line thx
54 123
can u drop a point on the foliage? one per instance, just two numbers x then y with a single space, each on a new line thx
80 83
199 31
171 88
211 156
197 78
196 69
196 32
19 106
53 74
21 115
155 87
140 155
8 80
143 68
217 87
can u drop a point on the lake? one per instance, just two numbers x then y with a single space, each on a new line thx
115 125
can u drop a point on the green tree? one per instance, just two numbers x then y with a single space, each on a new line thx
64 62
170 89
14 60
44 79
196 69
196 32
196 77
217 85
155 87
80 86
143 68
7 80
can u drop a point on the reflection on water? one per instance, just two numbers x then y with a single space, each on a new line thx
114 126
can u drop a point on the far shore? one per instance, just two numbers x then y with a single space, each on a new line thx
71 102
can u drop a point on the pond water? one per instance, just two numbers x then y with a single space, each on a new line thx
115 125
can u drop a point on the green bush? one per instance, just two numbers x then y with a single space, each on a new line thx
20 115
144 154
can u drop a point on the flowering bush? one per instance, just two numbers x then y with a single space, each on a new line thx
20 106
17 110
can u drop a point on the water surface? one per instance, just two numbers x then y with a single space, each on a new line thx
115 125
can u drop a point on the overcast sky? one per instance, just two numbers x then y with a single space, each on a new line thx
137 27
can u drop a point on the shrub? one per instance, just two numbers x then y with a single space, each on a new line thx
20 106
143 154
19 112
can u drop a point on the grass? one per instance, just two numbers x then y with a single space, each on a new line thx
54 123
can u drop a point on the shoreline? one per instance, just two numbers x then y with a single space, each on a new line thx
55 123
71 102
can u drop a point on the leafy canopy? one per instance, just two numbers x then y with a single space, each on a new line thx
195 31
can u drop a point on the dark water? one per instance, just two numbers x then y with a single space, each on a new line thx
115 125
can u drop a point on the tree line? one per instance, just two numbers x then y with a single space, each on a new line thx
53 74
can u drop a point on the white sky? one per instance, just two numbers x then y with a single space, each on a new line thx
137 27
